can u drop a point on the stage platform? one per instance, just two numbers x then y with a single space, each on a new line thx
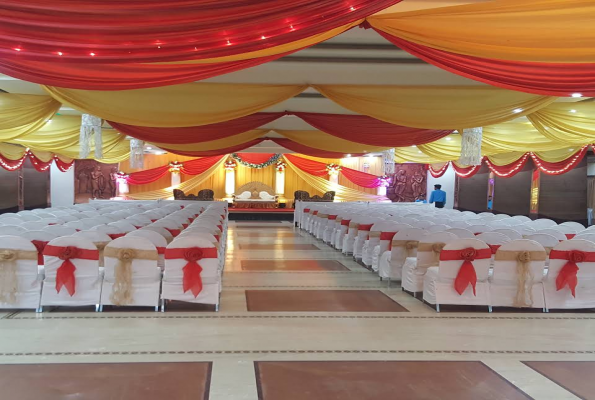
264 214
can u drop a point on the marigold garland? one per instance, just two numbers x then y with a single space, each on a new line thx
265 164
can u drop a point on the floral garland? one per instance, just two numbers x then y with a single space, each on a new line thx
333 169
175 167
122 177
230 165
265 164
281 165
384 180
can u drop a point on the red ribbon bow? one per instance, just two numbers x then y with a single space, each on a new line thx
39 245
192 280
315 213
568 274
65 274
466 275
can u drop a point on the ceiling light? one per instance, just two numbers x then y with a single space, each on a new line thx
149 148
414 146
577 95
517 110
448 138
348 155
49 121
572 111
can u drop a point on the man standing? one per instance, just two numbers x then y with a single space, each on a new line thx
438 197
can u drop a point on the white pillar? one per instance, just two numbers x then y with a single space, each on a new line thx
280 183
230 182
176 179
61 187
381 190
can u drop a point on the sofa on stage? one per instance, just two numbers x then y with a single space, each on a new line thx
255 195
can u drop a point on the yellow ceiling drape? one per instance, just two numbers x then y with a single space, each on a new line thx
342 193
61 136
235 140
24 113
16 152
570 123
324 141
190 104
186 186
559 31
437 107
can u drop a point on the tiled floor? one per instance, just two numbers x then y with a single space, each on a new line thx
234 339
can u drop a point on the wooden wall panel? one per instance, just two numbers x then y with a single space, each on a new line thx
8 191
564 197
512 195
473 192
35 185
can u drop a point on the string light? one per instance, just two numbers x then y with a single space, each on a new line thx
572 111
92 54
519 165
573 161
17 49
59 53
228 43
352 8
575 95
263 37
517 110
440 172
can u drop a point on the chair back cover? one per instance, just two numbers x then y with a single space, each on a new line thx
450 269
511 233
461 233
553 232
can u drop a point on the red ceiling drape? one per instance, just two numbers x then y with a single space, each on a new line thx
91 76
211 153
550 79
362 179
508 170
560 167
309 166
370 131
197 134
156 31
309 151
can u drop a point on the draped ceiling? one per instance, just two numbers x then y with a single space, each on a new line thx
140 76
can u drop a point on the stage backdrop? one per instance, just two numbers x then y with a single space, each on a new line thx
293 182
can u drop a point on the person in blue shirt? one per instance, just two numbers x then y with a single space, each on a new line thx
438 197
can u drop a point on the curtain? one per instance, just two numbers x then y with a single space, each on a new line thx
199 166
254 158
548 79
238 140
591 192
198 134
361 178
549 31
301 149
568 123
560 167
509 170
186 186
176 106
216 152
311 167
342 193
377 133
148 175
436 107
121 32
322 141
12 158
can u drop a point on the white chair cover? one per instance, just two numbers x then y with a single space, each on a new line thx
20 281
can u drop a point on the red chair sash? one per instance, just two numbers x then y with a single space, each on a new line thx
494 247
466 275
364 227
216 237
568 274
184 226
65 273
174 232
192 270
570 235
39 245
345 222
315 212
332 217
116 235
306 210
160 250
154 220
388 236
220 228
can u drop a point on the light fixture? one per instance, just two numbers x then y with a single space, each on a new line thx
352 8
228 43
517 110
448 138
575 95
17 49
59 53
263 37
149 148
572 111
348 155
413 146
49 121
92 54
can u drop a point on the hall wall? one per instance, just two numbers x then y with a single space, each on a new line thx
9 200
564 197
473 191
512 195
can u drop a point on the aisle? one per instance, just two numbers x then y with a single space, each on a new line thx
298 321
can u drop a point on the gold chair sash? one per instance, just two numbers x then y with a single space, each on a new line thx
9 281
353 225
339 219
406 244
322 215
525 275
122 288
435 248
374 234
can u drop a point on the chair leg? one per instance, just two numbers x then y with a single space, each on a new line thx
162 305
101 308
157 308
437 307
96 307
39 309
489 308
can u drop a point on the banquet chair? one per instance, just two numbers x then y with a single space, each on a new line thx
11 230
331 225
554 232
478 229
138 221
363 233
437 228
569 231
428 255
343 221
16 220
542 223
59 230
184 258
547 241
156 239
423 224
211 238
373 240
523 218
78 225
132 276
160 230
570 278
172 226
451 281
352 233
39 239
511 233
67 286
99 239
461 233
112 231
20 281
382 249
35 225
403 250
577 226
585 235
460 224
123 226
517 279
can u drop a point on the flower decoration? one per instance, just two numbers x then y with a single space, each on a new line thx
468 254
281 165
193 254
576 256
333 169
68 252
384 180
275 158
230 165
122 177
126 254
175 167
8 255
